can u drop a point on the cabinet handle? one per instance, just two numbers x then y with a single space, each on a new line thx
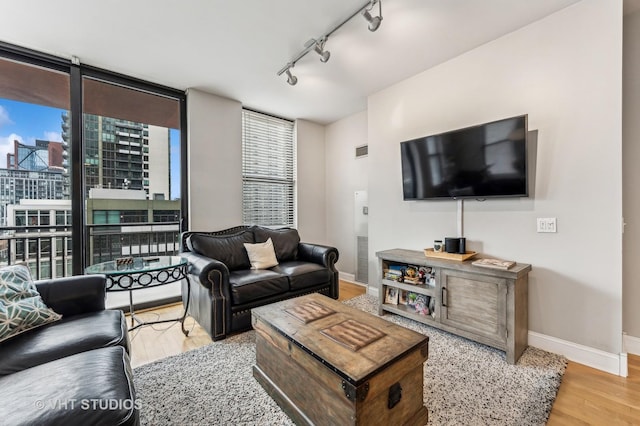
443 297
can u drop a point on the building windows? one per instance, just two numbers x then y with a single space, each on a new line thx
166 215
268 170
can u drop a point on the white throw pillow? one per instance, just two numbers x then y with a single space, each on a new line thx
261 255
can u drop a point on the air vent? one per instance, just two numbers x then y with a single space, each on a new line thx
362 151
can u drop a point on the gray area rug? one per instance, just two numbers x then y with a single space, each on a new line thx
466 383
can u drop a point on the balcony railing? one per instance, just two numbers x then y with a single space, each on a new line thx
47 249
110 241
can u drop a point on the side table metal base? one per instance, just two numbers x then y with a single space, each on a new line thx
139 273
137 322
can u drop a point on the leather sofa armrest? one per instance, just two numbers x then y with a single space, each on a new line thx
74 295
316 253
210 272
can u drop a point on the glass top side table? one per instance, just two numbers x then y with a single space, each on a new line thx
135 273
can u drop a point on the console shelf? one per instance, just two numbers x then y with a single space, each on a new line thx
407 312
489 306
416 288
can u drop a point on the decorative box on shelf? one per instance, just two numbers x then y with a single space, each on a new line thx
429 252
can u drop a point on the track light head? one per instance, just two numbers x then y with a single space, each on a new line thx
319 49
324 54
374 23
291 79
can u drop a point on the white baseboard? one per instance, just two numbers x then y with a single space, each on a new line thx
372 291
350 278
631 344
595 358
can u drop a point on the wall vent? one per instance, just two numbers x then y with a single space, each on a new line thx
362 151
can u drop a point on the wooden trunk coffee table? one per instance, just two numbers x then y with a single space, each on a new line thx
326 363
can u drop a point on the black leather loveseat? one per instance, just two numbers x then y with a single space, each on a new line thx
74 371
224 288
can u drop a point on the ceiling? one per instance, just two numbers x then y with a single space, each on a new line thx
235 48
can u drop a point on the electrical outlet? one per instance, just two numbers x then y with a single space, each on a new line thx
546 224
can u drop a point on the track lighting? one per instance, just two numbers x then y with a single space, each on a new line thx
291 79
319 48
317 45
374 23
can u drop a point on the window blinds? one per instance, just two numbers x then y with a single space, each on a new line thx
268 170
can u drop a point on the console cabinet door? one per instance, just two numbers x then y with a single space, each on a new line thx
475 303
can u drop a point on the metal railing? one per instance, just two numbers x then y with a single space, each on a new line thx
47 249
110 241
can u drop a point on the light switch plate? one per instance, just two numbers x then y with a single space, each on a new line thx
546 224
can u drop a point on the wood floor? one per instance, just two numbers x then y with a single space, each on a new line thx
586 397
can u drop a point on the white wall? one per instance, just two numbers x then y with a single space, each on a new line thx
565 71
214 126
311 219
631 175
345 175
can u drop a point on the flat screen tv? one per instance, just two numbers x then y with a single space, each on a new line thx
483 161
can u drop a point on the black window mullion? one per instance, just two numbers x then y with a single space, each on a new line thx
184 182
79 231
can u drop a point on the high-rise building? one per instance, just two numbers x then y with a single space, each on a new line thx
44 155
122 154
33 172
16 185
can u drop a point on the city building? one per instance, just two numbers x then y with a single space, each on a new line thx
16 185
120 223
125 222
44 155
122 154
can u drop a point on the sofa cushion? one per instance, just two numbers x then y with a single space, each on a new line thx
89 388
261 255
21 307
70 335
254 284
303 274
285 241
228 249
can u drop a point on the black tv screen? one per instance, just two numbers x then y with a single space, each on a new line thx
484 161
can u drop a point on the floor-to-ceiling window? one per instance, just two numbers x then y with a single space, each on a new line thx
91 164
131 171
35 198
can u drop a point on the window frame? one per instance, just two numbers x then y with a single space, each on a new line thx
77 72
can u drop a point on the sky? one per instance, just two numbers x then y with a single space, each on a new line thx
26 122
